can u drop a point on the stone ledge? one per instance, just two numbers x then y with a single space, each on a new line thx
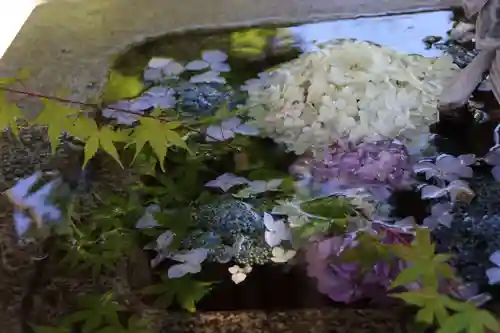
69 43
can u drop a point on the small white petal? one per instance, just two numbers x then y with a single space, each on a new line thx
194 256
148 220
238 277
247 269
234 269
173 68
245 129
22 223
495 258
432 192
159 62
493 275
17 193
281 255
197 65
208 77
226 181
495 171
158 259
272 239
231 123
269 221
220 67
164 240
153 74
218 133
214 56
177 271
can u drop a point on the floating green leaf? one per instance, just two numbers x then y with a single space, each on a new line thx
120 87
251 42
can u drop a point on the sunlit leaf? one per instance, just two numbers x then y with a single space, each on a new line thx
159 136
408 275
105 139
121 87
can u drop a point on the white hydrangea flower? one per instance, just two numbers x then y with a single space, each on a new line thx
239 274
350 90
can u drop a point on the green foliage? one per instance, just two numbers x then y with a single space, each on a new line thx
327 207
107 235
251 42
58 119
106 238
186 291
121 87
97 314
429 270
163 138
426 267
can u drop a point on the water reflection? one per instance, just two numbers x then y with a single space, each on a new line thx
253 49
400 32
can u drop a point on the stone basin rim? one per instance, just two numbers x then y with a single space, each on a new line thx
116 52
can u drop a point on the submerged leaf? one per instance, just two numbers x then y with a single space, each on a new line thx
120 87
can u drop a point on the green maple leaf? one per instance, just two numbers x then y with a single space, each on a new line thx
9 114
103 138
121 87
58 119
433 306
425 265
471 321
188 292
159 136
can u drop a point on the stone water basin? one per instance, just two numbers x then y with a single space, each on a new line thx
255 49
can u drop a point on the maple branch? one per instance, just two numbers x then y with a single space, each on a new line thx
96 107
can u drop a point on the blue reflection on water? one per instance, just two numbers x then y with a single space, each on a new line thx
400 32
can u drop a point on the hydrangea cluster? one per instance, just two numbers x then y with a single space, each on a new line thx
235 224
196 88
346 281
377 165
348 90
